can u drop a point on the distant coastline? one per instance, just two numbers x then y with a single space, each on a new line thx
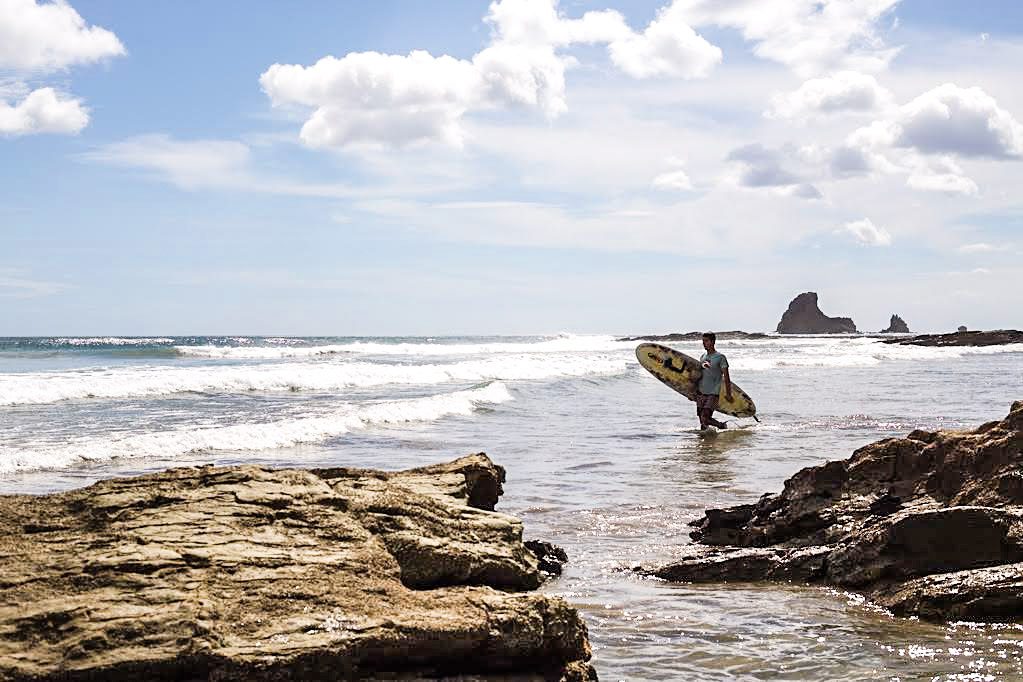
996 337
695 336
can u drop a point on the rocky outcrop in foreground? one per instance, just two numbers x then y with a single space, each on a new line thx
929 525
695 336
246 573
998 337
897 325
805 317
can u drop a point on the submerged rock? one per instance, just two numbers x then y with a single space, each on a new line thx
929 525
803 316
897 325
998 337
551 558
247 573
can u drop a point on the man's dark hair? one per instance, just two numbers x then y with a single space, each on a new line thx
710 335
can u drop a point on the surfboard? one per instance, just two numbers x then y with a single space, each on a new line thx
681 372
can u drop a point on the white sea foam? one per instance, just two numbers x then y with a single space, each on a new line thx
562 343
251 436
149 381
844 352
109 341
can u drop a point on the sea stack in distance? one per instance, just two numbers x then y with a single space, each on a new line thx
805 317
897 325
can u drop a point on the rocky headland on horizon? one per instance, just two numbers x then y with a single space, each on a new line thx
930 525
998 337
804 316
248 573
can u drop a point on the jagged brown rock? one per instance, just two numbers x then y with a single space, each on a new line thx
896 325
929 525
247 573
803 316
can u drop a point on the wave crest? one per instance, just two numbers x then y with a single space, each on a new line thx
252 436
150 381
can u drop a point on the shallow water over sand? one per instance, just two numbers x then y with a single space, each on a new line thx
601 458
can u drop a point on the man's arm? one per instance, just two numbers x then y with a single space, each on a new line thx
728 384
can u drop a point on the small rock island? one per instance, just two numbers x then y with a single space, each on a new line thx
805 317
897 325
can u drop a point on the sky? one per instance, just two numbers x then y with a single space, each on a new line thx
508 167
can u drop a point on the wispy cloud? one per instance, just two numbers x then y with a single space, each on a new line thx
980 247
230 165
14 284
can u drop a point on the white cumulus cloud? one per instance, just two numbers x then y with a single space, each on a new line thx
782 169
673 180
949 119
668 47
845 91
398 100
925 137
50 36
940 174
40 38
43 111
809 36
538 22
963 121
522 75
867 232
373 96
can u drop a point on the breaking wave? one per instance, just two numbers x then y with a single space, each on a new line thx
561 344
251 436
149 381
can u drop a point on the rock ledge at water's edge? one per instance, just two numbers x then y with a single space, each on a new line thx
248 573
997 337
929 525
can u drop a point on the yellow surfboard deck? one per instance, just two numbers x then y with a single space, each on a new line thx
680 372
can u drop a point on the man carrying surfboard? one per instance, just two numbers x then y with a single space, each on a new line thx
708 387
683 374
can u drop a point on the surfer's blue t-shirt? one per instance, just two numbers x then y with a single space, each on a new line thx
710 380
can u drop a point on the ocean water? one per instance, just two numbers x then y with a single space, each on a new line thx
602 459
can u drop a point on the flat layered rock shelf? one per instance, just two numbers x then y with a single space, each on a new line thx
998 337
248 573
